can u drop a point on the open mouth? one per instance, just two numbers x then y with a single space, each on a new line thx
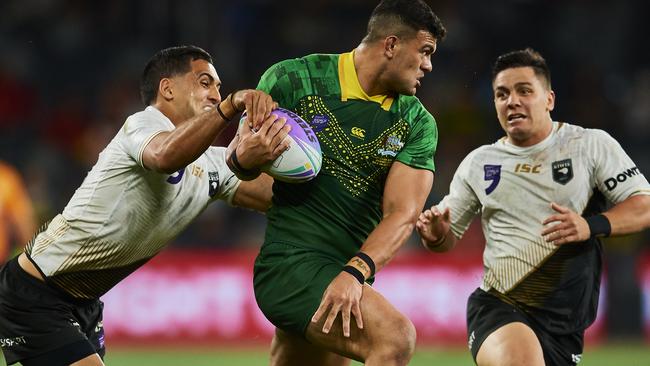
515 117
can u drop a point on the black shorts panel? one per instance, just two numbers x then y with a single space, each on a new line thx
36 320
487 313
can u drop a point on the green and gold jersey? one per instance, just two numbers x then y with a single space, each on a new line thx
360 137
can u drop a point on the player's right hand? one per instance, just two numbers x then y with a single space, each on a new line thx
433 226
343 295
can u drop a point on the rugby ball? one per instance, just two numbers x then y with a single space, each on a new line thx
303 159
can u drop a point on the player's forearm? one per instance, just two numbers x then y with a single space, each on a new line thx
188 141
630 216
255 194
390 235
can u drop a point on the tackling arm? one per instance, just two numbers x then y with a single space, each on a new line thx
255 194
170 151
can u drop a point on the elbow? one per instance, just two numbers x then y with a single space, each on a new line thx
164 163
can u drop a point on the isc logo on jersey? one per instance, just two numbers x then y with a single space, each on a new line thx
612 182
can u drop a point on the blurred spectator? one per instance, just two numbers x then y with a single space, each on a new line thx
17 224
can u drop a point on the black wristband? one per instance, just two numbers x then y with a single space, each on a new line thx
232 96
366 258
239 170
440 241
355 272
599 225
223 116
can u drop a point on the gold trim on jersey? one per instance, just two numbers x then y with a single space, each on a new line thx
55 230
350 87
505 274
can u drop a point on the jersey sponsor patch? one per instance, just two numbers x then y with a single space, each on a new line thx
562 171
492 174
612 182
319 122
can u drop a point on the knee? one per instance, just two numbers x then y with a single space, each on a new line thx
510 357
398 341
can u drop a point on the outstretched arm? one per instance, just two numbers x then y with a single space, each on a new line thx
433 227
405 192
255 194
629 216
170 151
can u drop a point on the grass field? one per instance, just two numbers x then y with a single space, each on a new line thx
613 355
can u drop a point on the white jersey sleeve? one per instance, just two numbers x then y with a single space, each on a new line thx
461 200
616 175
139 129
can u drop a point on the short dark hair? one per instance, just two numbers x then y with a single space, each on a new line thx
523 58
403 18
167 63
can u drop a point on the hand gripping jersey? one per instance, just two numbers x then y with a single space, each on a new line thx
360 137
512 189
123 214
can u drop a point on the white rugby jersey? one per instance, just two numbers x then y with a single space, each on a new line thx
123 214
513 187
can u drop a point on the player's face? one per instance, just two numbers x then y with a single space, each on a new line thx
197 90
523 103
411 60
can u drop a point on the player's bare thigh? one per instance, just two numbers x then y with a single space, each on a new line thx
92 360
287 349
512 344
388 337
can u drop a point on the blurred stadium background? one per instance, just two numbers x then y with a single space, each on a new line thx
69 76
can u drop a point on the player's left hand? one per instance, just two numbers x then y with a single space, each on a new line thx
570 227
258 105
255 149
343 295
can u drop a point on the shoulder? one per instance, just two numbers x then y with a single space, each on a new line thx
149 118
315 62
412 110
147 114
586 135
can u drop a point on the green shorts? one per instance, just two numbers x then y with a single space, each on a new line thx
289 284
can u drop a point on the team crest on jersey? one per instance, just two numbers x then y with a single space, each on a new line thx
214 183
562 171
319 122
392 146
493 175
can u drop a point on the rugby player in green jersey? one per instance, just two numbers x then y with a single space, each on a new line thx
326 238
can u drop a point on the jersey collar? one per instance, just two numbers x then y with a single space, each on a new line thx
350 87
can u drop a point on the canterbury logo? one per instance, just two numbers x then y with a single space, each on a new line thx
358 132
